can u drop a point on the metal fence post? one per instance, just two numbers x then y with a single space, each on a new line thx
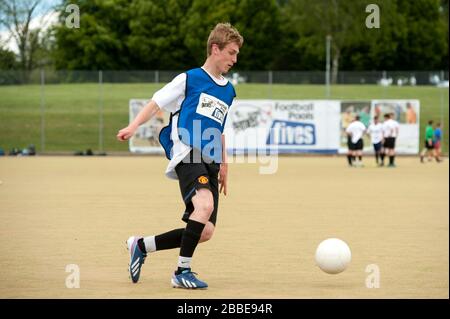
442 113
328 59
42 111
100 103
270 84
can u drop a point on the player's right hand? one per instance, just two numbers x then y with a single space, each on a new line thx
125 133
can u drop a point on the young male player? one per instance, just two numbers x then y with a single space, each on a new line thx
198 101
375 131
390 133
437 141
356 131
429 143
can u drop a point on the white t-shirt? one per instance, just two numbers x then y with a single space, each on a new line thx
170 98
356 130
390 128
376 132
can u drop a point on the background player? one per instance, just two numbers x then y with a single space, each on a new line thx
429 147
437 141
390 133
375 131
355 131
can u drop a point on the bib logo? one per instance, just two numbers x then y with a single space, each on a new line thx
206 102
291 133
218 114
212 107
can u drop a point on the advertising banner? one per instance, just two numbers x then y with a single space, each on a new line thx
293 126
284 126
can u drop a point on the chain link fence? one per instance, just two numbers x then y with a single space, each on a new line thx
75 111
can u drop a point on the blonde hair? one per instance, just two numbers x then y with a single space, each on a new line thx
223 34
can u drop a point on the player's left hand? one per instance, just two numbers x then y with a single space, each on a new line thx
223 174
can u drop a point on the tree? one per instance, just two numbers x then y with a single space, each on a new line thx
7 60
426 40
257 21
412 35
99 42
443 10
313 21
17 16
8 67
278 34
377 48
201 19
156 39
296 50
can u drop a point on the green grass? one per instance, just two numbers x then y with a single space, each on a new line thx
72 110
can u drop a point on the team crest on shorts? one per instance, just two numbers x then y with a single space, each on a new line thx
203 180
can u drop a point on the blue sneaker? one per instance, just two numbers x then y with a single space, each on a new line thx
137 258
187 280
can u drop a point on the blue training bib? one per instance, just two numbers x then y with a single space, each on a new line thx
202 116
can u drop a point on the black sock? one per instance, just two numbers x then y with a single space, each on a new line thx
360 158
391 160
349 159
141 245
189 241
382 158
169 240
376 157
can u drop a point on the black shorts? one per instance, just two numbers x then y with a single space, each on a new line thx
377 147
389 142
193 176
428 146
358 146
349 143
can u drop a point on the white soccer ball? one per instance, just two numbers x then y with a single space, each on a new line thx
333 256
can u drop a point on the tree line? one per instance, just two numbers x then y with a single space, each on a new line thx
279 35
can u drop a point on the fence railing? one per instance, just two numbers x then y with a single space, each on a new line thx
11 77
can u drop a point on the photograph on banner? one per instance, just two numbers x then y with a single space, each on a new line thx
349 110
146 138
406 113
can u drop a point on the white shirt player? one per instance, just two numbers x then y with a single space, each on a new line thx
356 130
390 128
170 98
376 132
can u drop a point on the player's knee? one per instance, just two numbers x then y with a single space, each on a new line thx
205 208
208 232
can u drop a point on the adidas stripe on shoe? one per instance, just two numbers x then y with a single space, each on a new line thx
137 258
